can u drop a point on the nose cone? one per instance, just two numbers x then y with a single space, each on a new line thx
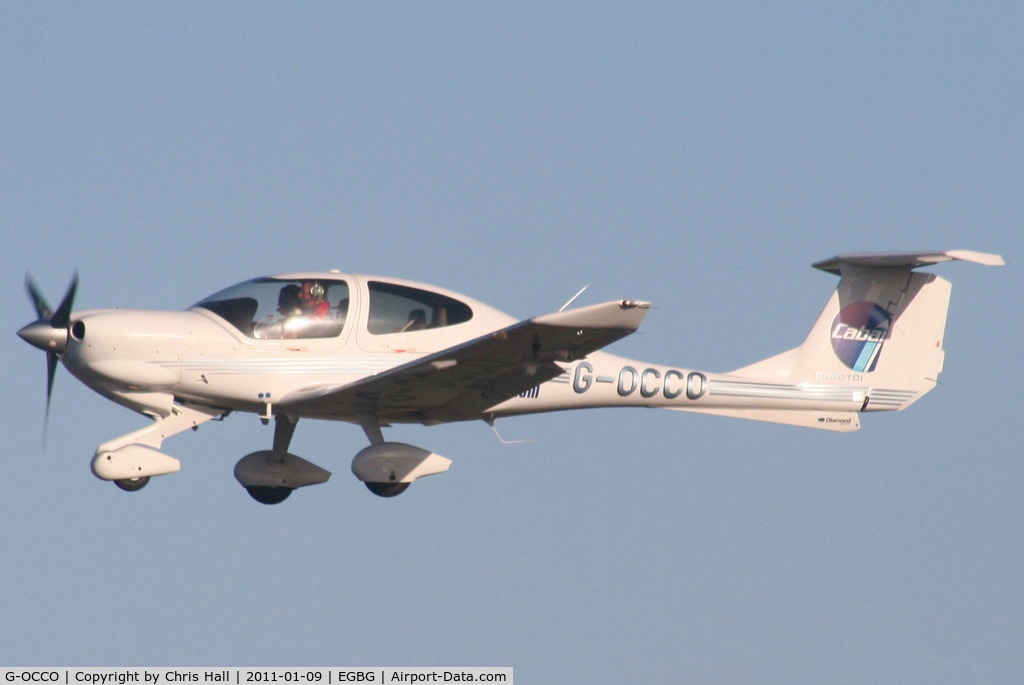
44 336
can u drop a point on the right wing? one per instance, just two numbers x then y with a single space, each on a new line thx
460 383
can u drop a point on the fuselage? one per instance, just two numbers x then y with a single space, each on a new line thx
247 349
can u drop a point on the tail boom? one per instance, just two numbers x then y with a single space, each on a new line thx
605 380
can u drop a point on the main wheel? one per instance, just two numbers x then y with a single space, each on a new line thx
266 494
132 484
387 489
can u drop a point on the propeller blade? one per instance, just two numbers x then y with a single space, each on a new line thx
43 311
49 333
51 373
62 317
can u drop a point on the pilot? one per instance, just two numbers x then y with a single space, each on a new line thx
313 302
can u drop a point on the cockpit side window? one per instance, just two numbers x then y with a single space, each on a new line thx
278 309
398 308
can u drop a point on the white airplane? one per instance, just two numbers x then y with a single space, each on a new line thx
378 351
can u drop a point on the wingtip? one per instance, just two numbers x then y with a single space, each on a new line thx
984 258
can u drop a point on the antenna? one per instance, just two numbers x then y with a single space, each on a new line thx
490 422
573 298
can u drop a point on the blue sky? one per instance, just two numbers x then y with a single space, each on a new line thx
700 156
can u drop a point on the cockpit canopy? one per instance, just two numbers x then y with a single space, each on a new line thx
281 308
276 308
396 308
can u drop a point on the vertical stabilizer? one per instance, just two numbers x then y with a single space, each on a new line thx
882 329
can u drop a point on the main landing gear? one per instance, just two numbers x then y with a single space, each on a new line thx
270 476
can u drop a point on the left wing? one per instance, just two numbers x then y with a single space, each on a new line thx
461 382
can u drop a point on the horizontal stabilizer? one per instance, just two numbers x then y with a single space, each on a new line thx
908 260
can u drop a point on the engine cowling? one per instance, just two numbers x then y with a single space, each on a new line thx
388 468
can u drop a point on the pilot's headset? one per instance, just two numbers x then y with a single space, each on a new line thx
317 291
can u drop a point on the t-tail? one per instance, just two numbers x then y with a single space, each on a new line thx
876 346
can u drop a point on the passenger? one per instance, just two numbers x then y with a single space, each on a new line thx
288 302
289 306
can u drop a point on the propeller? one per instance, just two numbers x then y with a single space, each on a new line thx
50 331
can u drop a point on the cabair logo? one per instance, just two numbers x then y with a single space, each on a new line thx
858 333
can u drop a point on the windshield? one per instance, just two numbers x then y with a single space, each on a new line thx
274 308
